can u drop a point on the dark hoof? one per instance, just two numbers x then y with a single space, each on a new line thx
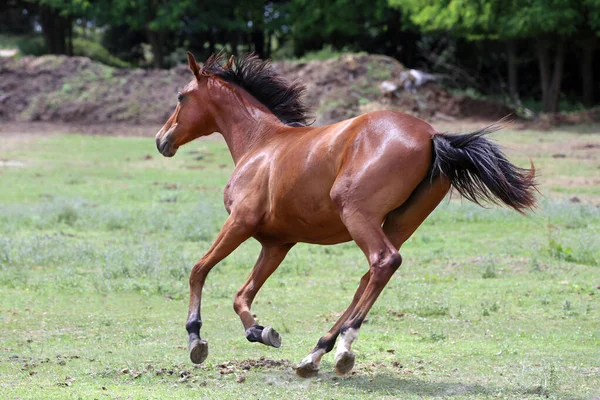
198 351
344 362
270 337
308 370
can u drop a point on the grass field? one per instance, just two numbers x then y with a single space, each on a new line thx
98 234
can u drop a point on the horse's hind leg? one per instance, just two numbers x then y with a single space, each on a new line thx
309 366
399 225
384 260
270 258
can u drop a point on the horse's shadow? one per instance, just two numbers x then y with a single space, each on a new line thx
389 383
393 384
386 383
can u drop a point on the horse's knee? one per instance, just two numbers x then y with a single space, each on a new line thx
384 265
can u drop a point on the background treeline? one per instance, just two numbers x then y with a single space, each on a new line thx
539 53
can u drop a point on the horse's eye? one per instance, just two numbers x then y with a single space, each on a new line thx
179 96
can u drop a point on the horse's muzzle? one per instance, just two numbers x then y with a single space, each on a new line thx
163 142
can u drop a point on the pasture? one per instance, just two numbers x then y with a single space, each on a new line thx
98 235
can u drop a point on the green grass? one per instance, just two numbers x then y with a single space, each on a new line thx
98 234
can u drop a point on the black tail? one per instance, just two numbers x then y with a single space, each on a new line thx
478 169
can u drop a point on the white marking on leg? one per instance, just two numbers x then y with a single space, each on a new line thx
346 340
313 358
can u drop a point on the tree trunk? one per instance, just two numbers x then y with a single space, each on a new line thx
544 64
155 39
212 49
258 39
559 56
268 47
513 76
54 30
69 36
235 38
550 73
587 71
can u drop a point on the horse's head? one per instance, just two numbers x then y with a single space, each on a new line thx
191 118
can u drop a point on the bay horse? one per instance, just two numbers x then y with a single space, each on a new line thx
372 179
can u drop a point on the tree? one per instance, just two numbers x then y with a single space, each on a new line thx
337 22
587 39
547 23
471 20
16 17
155 18
56 19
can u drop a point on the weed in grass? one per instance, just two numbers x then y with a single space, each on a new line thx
581 250
568 310
434 337
585 254
537 266
545 301
433 309
487 309
547 388
489 270
68 215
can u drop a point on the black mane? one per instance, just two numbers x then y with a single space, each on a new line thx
260 80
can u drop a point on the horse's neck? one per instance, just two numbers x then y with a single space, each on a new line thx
242 120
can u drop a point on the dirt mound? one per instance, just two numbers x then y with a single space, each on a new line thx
351 84
78 90
549 121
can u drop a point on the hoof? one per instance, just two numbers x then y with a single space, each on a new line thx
198 351
344 362
270 337
307 370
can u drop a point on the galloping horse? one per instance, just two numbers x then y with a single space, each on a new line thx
372 179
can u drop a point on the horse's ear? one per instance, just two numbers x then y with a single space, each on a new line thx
229 63
194 67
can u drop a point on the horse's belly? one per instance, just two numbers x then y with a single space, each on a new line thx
323 227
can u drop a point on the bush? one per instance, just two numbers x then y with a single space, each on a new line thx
35 46
32 46
326 53
96 52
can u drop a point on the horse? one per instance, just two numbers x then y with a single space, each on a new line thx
372 179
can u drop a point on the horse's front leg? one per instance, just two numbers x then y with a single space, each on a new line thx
233 233
270 258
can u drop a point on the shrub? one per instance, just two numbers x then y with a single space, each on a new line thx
32 46
96 52
35 46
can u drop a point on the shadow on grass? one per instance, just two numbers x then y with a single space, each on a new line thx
392 384
388 383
